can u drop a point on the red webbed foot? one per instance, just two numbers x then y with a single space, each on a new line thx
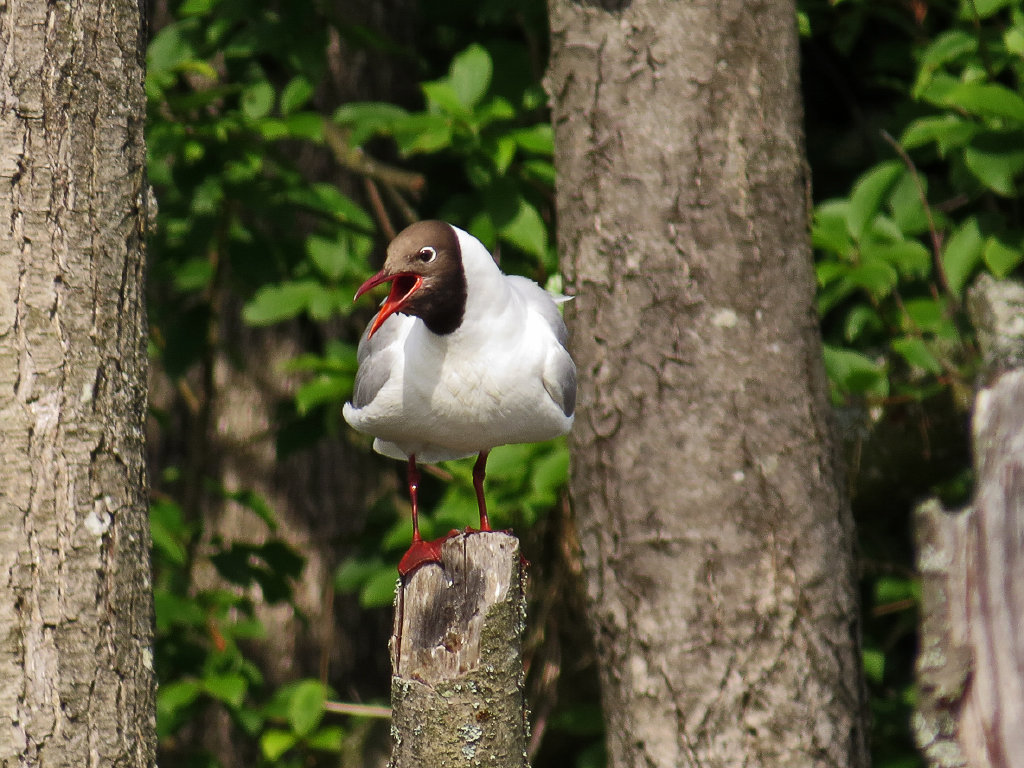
422 552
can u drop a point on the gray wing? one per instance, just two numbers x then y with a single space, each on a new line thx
559 369
376 357
560 379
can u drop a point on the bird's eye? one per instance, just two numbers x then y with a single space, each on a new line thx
426 254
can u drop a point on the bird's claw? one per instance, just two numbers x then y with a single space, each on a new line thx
421 553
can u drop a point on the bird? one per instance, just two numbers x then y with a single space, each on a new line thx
459 359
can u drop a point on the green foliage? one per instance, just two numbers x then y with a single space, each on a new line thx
896 254
243 230
201 636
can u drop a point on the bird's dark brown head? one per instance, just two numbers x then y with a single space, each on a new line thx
424 267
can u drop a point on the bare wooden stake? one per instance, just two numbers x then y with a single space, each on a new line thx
456 654
971 702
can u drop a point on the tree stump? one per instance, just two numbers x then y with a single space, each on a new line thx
971 703
456 655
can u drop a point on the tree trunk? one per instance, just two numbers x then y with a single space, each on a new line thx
76 663
716 539
971 706
457 688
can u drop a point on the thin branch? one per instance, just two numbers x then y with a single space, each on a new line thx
357 710
378 208
408 212
933 231
359 162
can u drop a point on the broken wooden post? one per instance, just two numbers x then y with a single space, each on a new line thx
456 654
971 702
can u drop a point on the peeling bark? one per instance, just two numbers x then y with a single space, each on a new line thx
971 707
717 543
76 662
457 689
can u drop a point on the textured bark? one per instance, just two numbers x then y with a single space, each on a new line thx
457 689
76 664
971 705
716 540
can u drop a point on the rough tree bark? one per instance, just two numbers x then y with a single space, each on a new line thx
971 705
457 688
717 543
76 664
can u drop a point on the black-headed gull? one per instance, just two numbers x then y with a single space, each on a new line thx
460 358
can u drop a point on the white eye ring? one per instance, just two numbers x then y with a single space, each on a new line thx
427 254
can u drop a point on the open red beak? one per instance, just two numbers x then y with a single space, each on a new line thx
403 286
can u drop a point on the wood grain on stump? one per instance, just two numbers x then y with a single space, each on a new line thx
456 653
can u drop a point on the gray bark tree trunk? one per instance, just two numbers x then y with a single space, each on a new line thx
971 704
717 541
76 662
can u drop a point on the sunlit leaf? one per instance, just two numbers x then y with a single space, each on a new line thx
962 254
1001 258
867 194
916 352
470 74
306 707
257 99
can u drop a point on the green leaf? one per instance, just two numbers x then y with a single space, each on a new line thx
539 170
274 743
368 119
867 194
274 303
194 275
517 221
927 315
165 542
295 94
829 231
422 132
470 74
874 275
379 589
1000 258
329 256
305 125
306 707
890 589
986 100
257 99
948 47
323 389
947 131
874 665
855 373
916 352
176 695
962 254
907 208
1013 39
984 8
354 572
327 739
442 97
168 48
909 257
538 139
859 320
230 688
996 159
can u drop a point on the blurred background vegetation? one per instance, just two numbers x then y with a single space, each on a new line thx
289 141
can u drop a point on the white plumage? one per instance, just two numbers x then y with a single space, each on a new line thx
503 376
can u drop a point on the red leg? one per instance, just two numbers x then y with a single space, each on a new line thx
479 471
420 552
414 486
